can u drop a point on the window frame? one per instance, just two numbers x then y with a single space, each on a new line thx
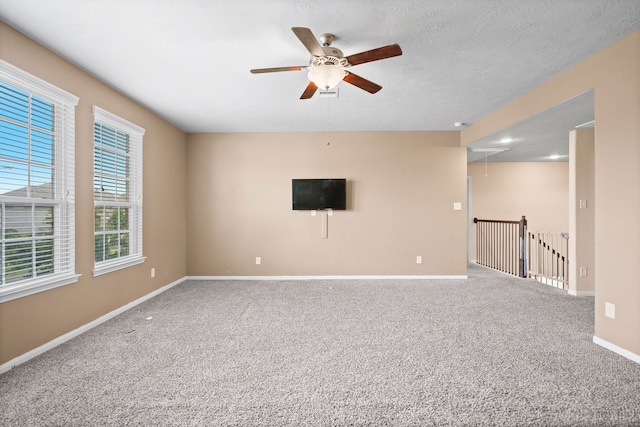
63 199
134 176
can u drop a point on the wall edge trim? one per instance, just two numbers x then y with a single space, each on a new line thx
618 350
354 277
7 366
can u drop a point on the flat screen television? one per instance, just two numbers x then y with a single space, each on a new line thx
319 194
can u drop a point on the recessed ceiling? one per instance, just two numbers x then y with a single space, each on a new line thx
541 138
189 60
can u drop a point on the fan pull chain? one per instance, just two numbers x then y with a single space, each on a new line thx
486 171
327 128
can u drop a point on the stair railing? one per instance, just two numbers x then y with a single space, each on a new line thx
549 258
501 245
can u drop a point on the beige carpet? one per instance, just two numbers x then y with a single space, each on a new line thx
490 350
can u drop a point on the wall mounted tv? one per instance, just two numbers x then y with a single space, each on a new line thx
319 194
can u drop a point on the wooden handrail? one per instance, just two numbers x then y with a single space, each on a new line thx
476 220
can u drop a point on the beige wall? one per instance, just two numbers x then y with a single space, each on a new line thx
614 75
401 191
507 191
582 205
29 322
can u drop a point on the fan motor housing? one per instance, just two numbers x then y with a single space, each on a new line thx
332 51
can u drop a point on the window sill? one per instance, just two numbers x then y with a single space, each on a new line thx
111 266
35 286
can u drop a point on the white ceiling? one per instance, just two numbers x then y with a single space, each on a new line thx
189 60
541 138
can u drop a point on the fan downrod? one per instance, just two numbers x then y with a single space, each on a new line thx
326 39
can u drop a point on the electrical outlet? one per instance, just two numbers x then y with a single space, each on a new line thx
153 272
583 271
610 310
419 259
258 260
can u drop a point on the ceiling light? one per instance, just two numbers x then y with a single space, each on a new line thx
327 76
506 140
555 156
459 124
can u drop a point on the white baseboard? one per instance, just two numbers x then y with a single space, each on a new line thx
84 328
401 277
619 350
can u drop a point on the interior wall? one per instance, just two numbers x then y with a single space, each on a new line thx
29 322
507 191
614 75
582 204
401 191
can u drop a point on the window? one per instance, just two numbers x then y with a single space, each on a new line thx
37 229
117 184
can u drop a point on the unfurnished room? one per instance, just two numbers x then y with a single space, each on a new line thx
305 213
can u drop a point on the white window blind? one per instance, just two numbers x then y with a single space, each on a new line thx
37 163
117 179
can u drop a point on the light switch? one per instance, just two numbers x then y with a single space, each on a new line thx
457 206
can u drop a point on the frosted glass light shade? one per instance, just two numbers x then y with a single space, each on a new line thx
326 76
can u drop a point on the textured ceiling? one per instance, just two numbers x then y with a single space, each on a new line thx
189 60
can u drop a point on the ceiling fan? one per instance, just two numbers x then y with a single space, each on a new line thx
329 66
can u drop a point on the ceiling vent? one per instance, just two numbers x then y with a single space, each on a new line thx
332 93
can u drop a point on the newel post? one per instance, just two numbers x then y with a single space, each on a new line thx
522 233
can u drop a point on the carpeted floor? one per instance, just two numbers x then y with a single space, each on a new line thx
490 350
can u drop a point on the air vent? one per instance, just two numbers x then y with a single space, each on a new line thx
333 93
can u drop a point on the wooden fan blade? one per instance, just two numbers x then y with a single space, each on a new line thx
309 91
276 69
375 54
308 40
362 83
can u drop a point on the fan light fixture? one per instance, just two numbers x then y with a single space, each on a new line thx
327 76
328 64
